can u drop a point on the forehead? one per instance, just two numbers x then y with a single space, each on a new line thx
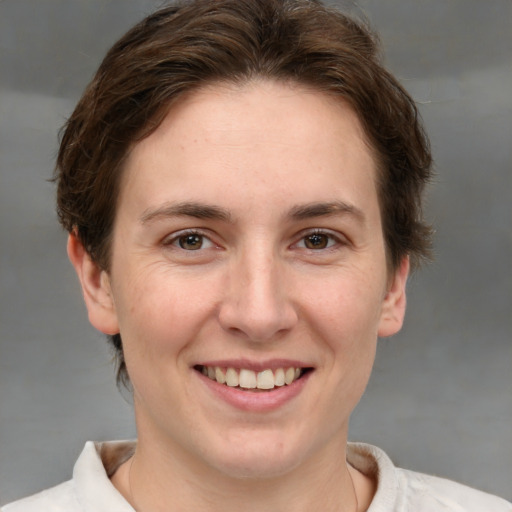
263 137
268 104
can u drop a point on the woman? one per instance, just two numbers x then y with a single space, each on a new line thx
242 186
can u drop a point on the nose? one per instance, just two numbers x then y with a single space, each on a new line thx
256 303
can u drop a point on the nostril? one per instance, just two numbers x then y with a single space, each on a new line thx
257 325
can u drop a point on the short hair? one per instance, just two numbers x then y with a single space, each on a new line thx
190 44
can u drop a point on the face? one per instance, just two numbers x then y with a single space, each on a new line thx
248 247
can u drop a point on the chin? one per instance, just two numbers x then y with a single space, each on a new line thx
257 468
261 458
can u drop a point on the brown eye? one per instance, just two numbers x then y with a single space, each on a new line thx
316 241
191 242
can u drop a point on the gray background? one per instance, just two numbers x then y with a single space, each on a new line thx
440 400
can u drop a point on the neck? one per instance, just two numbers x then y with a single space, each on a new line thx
152 479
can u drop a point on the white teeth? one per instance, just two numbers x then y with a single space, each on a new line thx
289 376
231 378
279 377
248 379
219 376
265 379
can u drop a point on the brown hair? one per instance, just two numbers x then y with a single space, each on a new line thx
185 46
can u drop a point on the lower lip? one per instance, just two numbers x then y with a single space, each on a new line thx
256 401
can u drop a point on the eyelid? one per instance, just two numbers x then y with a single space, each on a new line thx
171 239
338 238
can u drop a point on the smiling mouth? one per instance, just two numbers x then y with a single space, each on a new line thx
249 380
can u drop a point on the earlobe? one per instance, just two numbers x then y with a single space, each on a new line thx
96 288
393 307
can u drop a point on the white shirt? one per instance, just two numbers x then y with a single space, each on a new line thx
398 490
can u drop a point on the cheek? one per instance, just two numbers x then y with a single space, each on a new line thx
159 313
345 317
348 308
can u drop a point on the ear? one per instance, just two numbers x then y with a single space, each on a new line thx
393 306
96 288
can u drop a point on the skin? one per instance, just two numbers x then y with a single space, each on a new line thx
256 289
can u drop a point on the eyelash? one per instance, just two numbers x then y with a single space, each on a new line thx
332 240
174 239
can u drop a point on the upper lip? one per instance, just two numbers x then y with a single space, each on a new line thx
256 366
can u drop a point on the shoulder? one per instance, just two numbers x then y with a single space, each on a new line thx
425 492
400 490
56 499
90 489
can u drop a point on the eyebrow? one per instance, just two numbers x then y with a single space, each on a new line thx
187 209
205 211
312 210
